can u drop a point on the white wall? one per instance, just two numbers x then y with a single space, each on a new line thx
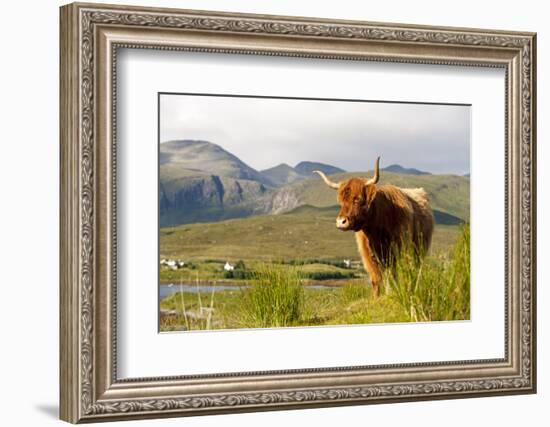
29 170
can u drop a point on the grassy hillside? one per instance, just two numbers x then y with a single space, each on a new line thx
306 232
448 193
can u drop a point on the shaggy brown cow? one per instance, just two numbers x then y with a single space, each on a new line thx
382 216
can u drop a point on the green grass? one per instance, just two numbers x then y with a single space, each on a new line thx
274 299
213 272
340 305
306 233
225 314
354 291
432 288
289 249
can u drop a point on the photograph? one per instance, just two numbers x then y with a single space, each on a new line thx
298 212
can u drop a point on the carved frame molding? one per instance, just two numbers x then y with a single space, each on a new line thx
90 35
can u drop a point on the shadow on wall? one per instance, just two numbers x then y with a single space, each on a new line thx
51 410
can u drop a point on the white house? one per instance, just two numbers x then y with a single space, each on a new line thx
172 264
228 267
347 263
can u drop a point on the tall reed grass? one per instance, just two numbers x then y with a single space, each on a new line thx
432 288
274 299
190 315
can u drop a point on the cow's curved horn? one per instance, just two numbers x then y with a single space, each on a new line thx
376 176
330 183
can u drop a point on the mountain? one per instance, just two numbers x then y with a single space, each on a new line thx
407 171
307 168
282 174
205 198
206 157
202 182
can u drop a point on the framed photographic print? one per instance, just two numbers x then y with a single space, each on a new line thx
266 212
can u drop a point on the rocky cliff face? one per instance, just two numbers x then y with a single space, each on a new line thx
207 198
200 182
279 201
195 192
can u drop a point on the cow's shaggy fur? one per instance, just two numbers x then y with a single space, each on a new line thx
383 217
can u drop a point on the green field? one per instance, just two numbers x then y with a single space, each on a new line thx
431 288
305 233
348 304
304 243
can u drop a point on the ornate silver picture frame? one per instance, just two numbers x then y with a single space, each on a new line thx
91 35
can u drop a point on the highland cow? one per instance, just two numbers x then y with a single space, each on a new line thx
383 217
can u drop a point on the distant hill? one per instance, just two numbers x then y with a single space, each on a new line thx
282 174
307 168
448 193
184 156
407 171
202 182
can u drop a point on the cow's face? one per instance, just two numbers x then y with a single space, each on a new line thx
355 198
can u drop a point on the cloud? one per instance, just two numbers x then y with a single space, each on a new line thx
265 132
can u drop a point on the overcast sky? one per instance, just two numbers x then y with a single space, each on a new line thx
266 132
